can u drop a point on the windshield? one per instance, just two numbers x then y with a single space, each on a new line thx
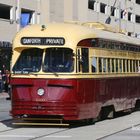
58 60
30 60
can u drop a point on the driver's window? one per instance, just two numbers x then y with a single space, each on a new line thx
29 61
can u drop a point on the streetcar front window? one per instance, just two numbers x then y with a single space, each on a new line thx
30 60
58 60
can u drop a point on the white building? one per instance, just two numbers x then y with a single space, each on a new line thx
123 13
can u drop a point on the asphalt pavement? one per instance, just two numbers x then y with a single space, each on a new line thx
126 127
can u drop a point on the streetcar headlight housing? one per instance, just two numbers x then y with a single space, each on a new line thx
40 91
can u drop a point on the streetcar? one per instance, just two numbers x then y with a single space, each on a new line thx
73 71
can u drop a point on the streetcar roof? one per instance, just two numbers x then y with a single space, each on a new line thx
72 33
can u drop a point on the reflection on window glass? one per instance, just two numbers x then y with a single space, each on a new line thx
137 66
58 60
29 61
134 65
109 65
120 65
94 64
104 65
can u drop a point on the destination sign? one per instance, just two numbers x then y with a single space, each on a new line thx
43 41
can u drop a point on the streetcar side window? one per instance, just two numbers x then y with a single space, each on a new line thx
85 60
139 66
113 65
124 63
100 64
135 65
127 65
116 65
120 65
130 65
104 65
109 65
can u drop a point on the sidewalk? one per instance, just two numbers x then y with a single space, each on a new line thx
4 95
5 107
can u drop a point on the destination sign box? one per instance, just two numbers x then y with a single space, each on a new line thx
43 41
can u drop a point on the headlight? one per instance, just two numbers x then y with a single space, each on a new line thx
40 91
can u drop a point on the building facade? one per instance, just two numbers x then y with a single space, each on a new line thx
11 12
124 14
15 14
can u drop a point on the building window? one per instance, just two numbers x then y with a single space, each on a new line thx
91 4
137 19
102 7
26 17
129 16
5 11
122 11
130 34
12 14
138 1
113 11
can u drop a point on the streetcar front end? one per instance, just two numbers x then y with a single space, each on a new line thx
42 85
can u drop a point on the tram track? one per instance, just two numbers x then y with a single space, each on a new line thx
13 128
59 134
50 134
117 132
102 138
109 127
98 131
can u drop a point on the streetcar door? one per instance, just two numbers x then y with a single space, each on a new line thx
83 60
85 83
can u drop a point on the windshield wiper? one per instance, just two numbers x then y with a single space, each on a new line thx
52 71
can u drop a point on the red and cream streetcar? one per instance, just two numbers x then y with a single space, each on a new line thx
73 71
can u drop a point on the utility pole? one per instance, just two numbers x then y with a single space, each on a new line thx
38 11
18 14
119 15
